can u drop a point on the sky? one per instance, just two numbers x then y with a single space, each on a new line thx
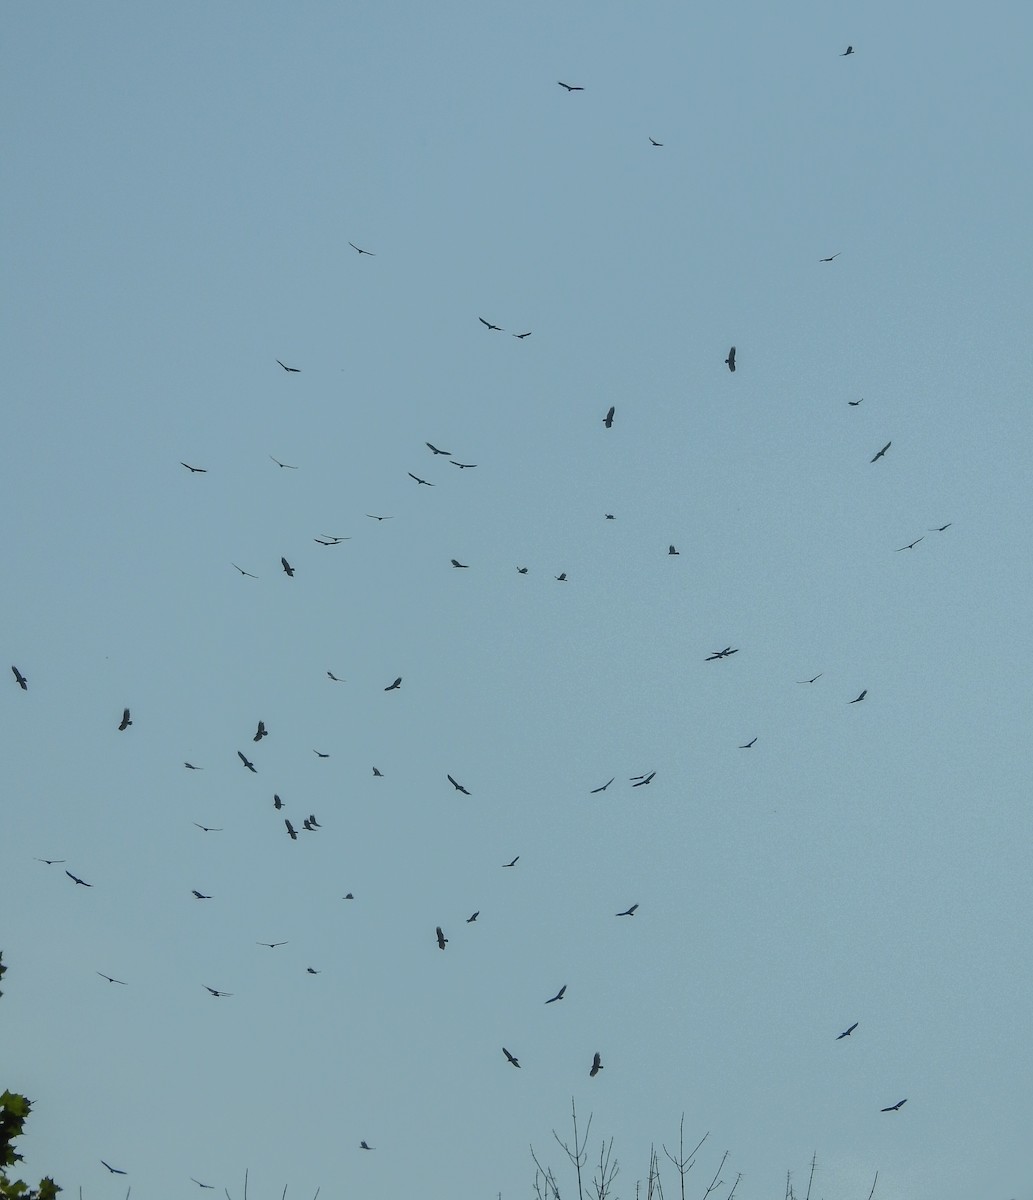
182 185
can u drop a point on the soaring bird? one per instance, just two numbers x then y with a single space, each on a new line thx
653 141
461 466
215 991
199 895
271 945
628 912
284 466
521 570
312 971
52 861
457 563
812 679
419 480
470 920
490 326
558 996
748 745
111 979
366 1146
730 360
191 767
882 452
291 830
332 676
194 470
393 686
848 50
855 403
442 940
608 419
208 828
513 863
521 336
643 779
377 774
671 550
595 791
597 1065
261 732
610 517
292 370
113 1170
374 517
126 720
848 1032
313 822
277 802
571 87
243 572
911 545
935 529
511 1058
210 1186
727 652
561 577
20 679
895 1107
458 786
858 699
831 257
288 569
76 879
359 250
434 450
247 763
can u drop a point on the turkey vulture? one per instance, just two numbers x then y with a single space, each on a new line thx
52 861
458 786
243 572
654 142
725 653
882 452
571 87
292 370
359 250
594 791
191 767
271 945
671 550
284 466
561 577
911 545
521 336
291 830
513 863
597 1065
374 517
288 569
111 979
334 677
366 1146
457 563
858 699
730 360
312 970
461 466
76 879
608 419
490 326
210 1186
470 920
442 940
435 450
511 1057
831 257
377 774
126 720
812 679
247 763
393 686
419 480
261 732
521 570
895 1107
748 745
848 1032
20 679
558 996
200 895
628 912
848 50
113 1170
208 828
215 991
277 802
194 470
313 822
643 779
937 529
855 403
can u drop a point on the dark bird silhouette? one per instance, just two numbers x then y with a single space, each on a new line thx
348 897
643 779
610 517
748 745
271 945
848 1032
208 828
20 679
858 699
671 550
313 822
419 480
442 940
936 529
654 142
812 678
882 452
366 1146
489 325
558 996
194 470
329 540
457 563
282 465
628 912
511 1058
458 786
831 257
911 545
200 895
848 50
247 763
210 1186
243 572
261 732
277 802
521 336
126 720
895 1107
597 1065
291 830
608 419
320 754
377 774
111 979
332 676
521 570
595 791
470 920
312 971
52 861
374 517
288 569
513 863
727 652
392 686
561 577
215 991
113 1170
435 450
855 403
76 879
571 87
359 250
191 767
462 466
730 360
292 370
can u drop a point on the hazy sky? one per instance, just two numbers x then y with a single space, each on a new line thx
182 184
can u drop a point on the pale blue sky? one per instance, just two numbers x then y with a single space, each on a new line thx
182 185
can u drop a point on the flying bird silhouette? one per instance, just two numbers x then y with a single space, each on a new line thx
628 912
832 257
288 569
513 863
271 945
654 142
194 470
113 1170
521 570
848 50
366 1146
558 996
935 529
470 920
458 786
521 336
608 419
52 861
457 563
461 466
511 1058
595 791
419 480
392 686
895 1107
243 572
261 732
334 677
247 763
292 370
434 450
191 767
882 452
442 940
561 577
284 466
111 979
490 326
374 517
748 745
358 250
855 403
730 360
848 1032
727 652
571 87
597 1065
643 779
858 699
911 545
313 822
210 1186
312 971
20 679
77 880
215 991
208 828
126 720
671 551
277 802
291 830
377 774
812 679
610 517
200 895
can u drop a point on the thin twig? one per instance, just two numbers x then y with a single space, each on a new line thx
715 1182
736 1184
874 1182
814 1163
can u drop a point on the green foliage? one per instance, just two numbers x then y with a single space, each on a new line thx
14 1110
